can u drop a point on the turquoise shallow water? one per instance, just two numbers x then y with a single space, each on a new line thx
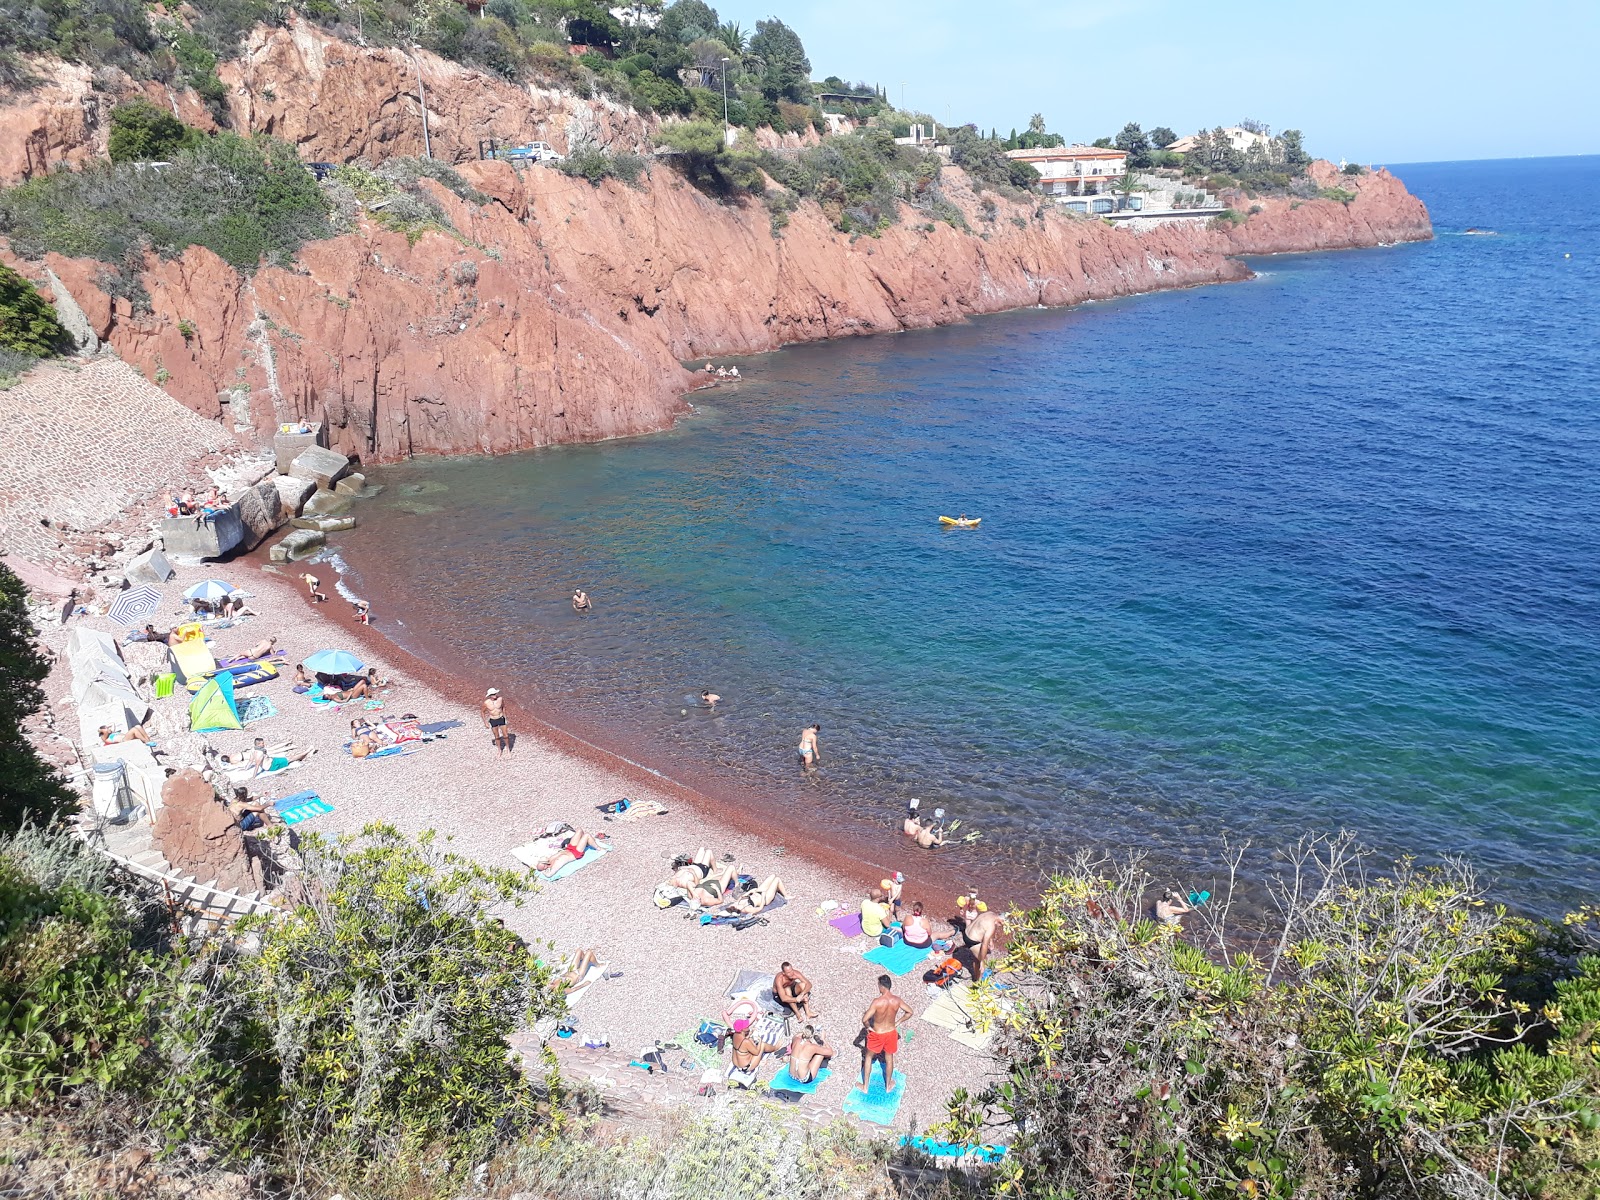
1314 551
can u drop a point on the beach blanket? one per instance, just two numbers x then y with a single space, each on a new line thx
709 918
785 1082
703 1056
256 708
397 750
756 986
641 808
590 855
242 661
897 959
404 730
964 1154
301 806
245 773
878 1105
849 924
577 991
954 1012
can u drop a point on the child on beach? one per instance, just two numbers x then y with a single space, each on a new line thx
314 587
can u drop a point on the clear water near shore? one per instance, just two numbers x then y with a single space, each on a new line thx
1318 550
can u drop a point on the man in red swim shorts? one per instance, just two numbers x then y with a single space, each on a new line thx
882 1022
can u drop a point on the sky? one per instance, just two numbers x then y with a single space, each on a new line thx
1374 81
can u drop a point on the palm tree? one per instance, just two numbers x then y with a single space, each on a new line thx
731 35
1125 186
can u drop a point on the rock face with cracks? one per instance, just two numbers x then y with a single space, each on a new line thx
560 311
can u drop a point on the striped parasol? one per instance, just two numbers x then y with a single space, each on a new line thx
134 605
211 589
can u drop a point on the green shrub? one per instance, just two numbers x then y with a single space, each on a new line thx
1228 218
141 132
246 199
697 150
28 325
588 161
1354 169
29 790
861 179
394 990
1333 193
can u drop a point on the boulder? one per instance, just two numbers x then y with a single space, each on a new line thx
287 447
302 543
325 524
260 512
150 567
353 484
323 466
197 538
326 504
199 837
293 493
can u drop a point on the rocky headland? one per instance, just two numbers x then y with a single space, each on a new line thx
559 310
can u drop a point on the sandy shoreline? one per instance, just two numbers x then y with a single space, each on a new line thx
674 971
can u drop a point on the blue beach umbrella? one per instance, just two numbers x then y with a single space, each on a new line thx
211 589
334 662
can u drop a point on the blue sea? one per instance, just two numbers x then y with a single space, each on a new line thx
1316 551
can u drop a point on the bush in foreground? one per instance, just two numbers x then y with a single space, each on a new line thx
1391 1036
29 790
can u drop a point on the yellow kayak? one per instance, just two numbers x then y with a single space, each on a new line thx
960 522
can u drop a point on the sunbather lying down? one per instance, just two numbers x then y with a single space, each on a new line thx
581 965
577 845
758 897
702 881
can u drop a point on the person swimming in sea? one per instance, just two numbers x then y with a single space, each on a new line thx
810 750
709 699
580 601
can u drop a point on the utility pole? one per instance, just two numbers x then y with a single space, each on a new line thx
726 125
422 98
902 95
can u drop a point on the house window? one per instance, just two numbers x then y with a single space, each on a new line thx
1078 205
1102 206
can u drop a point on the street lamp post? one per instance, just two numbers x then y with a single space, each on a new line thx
724 101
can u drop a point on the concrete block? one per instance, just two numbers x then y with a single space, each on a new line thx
293 493
317 463
197 538
260 512
325 524
302 543
286 447
150 567
353 484
327 504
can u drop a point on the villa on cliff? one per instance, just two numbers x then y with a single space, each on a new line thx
1066 172
1239 138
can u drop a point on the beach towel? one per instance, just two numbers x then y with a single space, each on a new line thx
389 751
641 808
256 708
245 773
577 991
404 730
785 1082
897 959
964 1154
742 1079
954 1012
703 1056
849 924
756 986
879 1105
301 806
708 918
561 872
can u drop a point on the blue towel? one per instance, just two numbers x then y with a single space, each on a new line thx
897 959
938 1149
301 806
785 1082
877 1106
561 872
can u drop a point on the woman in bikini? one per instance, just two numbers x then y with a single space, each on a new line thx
758 898
577 845
808 1054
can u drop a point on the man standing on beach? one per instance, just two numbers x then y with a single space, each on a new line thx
979 929
810 748
494 716
882 1023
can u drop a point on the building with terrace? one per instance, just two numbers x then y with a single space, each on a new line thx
1074 171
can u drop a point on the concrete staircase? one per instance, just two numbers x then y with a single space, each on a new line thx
198 909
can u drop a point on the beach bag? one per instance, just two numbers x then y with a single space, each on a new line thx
666 895
943 975
711 1034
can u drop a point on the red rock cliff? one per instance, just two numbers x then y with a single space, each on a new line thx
561 311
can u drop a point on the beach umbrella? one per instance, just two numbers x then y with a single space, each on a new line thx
134 605
211 589
334 662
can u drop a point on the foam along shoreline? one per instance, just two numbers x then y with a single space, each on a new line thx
674 972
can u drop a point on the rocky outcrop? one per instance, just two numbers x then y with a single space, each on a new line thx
339 102
200 838
560 311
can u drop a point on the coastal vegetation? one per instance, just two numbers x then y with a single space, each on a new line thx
1386 1032
29 329
29 790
